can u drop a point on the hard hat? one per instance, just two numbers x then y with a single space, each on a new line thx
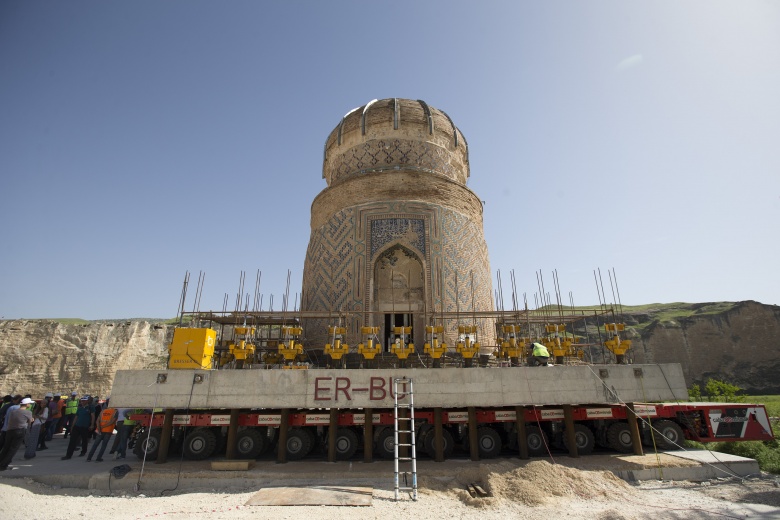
49 394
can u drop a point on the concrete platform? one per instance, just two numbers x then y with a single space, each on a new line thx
189 476
441 387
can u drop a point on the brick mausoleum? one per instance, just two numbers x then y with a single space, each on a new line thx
396 230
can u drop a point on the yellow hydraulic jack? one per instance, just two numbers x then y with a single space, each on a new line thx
242 350
272 358
512 347
557 347
372 345
432 346
337 349
467 348
402 345
615 344
290 346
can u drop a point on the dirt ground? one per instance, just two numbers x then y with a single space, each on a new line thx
539 490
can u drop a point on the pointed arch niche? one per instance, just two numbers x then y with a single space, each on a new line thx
398 291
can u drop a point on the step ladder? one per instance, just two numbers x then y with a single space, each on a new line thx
406 426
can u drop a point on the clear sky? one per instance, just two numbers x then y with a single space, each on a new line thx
142 139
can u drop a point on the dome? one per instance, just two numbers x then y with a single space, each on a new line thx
395 135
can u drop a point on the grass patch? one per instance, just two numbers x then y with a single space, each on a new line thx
772 403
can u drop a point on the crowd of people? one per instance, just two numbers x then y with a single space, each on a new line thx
32 423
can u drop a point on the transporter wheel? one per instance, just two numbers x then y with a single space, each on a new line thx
150 444
200 444
619 438
583 438
488 442
671 435
385 444
446 437
346 444
300 442
250 443
537 441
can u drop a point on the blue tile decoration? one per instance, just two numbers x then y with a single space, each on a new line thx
410 231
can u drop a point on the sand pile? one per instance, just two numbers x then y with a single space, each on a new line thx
532 484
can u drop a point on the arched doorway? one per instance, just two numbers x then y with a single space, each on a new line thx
398 293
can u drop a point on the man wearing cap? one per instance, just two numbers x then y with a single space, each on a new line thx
71 405
82 425
18 421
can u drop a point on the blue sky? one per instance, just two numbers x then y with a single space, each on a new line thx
142 139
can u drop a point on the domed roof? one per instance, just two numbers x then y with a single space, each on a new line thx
395 134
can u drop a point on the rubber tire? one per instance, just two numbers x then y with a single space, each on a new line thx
385 444
446 437
537 441
250 443
300 442
346 444
583 438
153 444
200 444
488 443
671 435
619 438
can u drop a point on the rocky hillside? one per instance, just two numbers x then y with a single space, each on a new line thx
735 342
38 356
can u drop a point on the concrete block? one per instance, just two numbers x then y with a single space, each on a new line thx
232 465
446 387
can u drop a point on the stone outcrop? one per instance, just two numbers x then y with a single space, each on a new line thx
39 356
738 343
735 342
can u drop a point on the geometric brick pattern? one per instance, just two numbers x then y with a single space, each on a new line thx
342 256
385 154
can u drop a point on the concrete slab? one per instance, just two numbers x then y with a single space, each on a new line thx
312 496
445 387
700 465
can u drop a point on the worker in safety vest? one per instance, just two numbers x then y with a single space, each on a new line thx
71 405
127 428
540 354
106 423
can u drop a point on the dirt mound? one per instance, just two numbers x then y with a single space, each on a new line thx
530 484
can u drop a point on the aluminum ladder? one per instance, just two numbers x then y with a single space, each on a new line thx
407 426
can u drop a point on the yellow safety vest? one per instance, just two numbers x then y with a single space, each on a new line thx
71 405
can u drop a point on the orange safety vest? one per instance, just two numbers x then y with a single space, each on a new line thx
107 420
